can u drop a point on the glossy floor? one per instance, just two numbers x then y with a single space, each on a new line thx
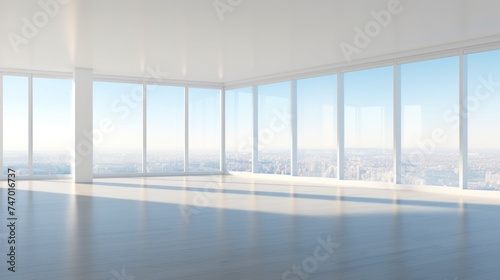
235 228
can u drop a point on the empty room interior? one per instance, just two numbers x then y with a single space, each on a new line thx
250 139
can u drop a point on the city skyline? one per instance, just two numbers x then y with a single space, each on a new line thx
360 164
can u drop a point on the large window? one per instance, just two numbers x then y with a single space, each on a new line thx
118 106
156 137
204 130
484 117
52 128
429 90
239 136
368 96
274 131
165 129
15 124
317 126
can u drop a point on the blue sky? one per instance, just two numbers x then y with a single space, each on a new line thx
484 111
428 90
239 120
368 99
316 113
165 118
121 104
15 113
51 114
274 102
204 120
52 118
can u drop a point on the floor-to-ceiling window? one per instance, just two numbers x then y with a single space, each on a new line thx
118 149
274 128
429 91
46 131
16 124
165 129
204 130
484 117
429 134
239 132
52 127
317 126
368 99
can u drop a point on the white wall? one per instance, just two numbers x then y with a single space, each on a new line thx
188 40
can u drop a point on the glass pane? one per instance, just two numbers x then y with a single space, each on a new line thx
117 109
204 130
484 116
165 127
15 124
429 90
368 96
52 126
274 128
317 126
239 136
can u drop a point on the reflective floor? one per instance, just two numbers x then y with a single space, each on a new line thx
236 228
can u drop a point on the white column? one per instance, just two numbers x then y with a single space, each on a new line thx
340 126
255 126
186 129
397 124
223 130
293 110
30 125
144 128
463 123
1 125
82 109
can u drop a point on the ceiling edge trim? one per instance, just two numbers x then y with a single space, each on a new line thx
444 50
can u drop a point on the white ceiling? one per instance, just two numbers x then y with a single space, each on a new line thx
187 40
